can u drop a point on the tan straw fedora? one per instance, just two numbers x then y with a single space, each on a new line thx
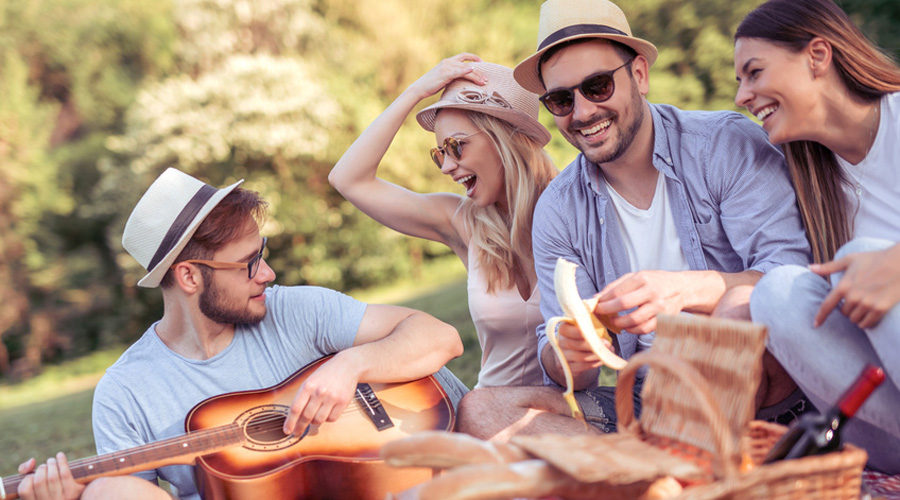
564 20
165 218
501 97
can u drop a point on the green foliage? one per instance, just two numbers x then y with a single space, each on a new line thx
69 69
99 96
95 52
248 111
878 19
695 69
28 192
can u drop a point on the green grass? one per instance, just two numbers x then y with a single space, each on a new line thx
41 429
59 380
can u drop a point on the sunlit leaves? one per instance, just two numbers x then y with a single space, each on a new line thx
251 107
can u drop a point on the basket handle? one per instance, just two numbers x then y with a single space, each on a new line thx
689 376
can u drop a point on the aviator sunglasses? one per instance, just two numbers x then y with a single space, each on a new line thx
598 87
252 266
452 146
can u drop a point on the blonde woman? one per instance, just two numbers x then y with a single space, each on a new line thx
490 142
831 99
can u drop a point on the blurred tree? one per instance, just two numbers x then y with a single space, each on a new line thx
238 110
69 69
695 69
28 192
98 96
879 20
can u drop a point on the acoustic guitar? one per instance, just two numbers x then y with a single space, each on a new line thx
239 451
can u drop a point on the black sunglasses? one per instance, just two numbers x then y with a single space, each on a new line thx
598 87
251 266
452 146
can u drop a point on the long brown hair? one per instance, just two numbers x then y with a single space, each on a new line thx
868 73
504 240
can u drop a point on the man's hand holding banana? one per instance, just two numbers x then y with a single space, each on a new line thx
579 339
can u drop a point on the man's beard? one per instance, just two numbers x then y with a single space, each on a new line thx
626 137
213 306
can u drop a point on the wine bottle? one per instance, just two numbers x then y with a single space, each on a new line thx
820 433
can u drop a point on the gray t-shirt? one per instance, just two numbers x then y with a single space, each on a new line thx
145 395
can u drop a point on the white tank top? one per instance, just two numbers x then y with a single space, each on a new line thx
506 326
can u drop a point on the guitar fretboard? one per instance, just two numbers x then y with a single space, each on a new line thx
178 450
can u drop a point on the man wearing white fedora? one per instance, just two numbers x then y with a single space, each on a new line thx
225 330
664 211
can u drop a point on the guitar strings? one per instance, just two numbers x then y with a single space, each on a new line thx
274 421
262 424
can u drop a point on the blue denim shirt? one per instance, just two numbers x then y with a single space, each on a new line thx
731 198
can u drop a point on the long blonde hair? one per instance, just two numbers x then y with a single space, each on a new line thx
504 240
866 71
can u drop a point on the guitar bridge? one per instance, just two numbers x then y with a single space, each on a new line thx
372 407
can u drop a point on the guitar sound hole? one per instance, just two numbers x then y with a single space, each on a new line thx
266 428
263 428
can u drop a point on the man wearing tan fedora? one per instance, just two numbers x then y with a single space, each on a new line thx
225 330
664 211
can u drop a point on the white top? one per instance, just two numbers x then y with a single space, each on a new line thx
650 238
507 331
878 176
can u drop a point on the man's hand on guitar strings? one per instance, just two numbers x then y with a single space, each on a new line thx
324 396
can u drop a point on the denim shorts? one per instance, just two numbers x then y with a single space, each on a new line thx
599 405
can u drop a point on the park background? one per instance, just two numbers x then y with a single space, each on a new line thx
98 97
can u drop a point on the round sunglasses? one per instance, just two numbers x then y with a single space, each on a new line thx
452 146
598 87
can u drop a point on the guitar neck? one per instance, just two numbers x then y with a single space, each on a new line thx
182 450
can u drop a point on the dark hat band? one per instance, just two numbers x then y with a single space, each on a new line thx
579 29
184 219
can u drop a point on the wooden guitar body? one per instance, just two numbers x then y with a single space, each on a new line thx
337 460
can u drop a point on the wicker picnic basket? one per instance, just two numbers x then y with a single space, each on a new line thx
698 399
695 429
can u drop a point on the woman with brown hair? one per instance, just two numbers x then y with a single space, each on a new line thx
489 141
831 99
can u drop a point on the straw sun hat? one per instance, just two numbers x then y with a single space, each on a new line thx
501 97
165 219
564 20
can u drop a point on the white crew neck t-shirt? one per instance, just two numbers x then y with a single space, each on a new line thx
878 176
650 238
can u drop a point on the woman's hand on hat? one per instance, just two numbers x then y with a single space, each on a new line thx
445 72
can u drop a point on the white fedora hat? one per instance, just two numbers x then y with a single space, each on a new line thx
564 20
165 218
500 97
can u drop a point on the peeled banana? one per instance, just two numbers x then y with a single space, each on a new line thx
581 314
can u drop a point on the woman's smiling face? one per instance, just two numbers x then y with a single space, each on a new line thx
479 168
777 86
